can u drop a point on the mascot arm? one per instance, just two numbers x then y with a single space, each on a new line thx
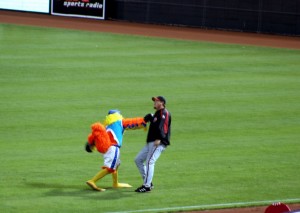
91 139
88 147
134 123
90 143
99 138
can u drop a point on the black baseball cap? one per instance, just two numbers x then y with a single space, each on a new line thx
159 98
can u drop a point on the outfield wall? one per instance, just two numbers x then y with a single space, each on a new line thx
262 16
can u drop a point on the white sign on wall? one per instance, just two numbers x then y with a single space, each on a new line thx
79 8
42 6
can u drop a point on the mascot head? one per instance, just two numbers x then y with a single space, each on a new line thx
113 116
112 111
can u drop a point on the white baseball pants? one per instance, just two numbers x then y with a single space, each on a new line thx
145 161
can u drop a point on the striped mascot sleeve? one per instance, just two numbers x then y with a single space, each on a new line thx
134 123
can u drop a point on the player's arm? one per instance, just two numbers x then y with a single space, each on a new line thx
163 125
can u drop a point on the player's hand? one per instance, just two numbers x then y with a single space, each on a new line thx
156 142
148 118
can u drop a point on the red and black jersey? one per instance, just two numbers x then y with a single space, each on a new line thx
160 127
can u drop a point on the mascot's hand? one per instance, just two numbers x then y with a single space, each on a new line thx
88 147
148 117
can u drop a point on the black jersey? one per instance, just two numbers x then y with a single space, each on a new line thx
160 127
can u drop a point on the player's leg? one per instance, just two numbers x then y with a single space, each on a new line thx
140 159
152 157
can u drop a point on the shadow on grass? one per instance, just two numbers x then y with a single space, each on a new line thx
65 190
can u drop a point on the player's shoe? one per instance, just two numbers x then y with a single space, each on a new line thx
93 186
143 189
152 186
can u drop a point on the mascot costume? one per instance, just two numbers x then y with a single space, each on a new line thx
107 139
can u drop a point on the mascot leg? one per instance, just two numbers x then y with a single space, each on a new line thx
98 176
116 184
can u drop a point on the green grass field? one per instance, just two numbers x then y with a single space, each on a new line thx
235 111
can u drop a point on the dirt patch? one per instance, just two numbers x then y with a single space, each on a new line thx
185 33
260 209
44 20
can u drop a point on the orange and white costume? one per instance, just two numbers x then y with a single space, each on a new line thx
107 139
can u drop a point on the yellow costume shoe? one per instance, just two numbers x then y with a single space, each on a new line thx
93 186
91 183
116 184
121 185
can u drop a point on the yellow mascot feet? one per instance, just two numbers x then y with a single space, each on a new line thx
93 186
92 183
116 184
121 185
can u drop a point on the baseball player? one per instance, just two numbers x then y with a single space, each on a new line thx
157 140
107 139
